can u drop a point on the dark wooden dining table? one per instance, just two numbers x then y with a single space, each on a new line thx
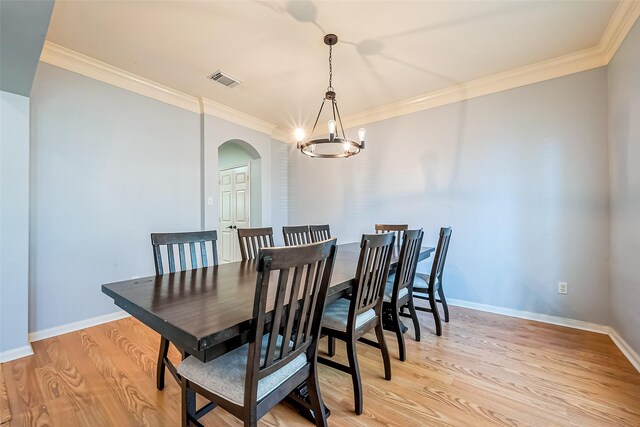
207 312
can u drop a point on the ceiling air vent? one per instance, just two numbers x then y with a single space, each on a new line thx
224 79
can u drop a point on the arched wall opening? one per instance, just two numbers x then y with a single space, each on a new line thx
236 153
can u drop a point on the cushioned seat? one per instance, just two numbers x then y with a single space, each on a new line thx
335 316
388 291
225 376
421 281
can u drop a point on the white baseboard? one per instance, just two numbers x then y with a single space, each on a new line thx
75 326
529 315
626 349
16 353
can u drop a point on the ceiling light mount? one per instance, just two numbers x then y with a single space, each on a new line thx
330 39
335 146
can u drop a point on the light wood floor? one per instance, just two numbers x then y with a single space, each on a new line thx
485 370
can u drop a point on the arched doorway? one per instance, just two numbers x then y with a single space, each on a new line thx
240 179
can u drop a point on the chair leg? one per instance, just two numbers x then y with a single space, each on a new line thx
355 374
162 354
399 336
313 387
414 318
436 313
331 346
444 303
188 404
385 352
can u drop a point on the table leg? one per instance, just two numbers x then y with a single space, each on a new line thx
387 320
299 400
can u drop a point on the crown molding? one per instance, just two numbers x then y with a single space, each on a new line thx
619 25
87 66
82 64
621 22
232 115
534 73
625 15
283 135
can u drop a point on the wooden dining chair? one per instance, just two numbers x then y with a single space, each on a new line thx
349 320
282 350
319 232
254 239
425 286
296 235
398 229
197 243
398 291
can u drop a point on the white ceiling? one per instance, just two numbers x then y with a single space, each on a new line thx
388 50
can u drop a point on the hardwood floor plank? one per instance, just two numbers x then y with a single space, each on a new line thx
485 370
5 408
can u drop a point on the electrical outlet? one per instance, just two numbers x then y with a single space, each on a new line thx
563 288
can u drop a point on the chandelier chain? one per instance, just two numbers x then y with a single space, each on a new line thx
330 69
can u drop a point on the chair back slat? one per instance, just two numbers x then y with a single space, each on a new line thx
305 312
407 261
183 261
294 326
319 233
296 235
172 261
157 256
293 299
158 240
372 271
398 229
278 312
441 255
192 253
254 239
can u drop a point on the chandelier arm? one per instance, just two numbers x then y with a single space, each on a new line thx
340 121
333 107
317 117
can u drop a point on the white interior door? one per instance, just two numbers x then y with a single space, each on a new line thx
234 210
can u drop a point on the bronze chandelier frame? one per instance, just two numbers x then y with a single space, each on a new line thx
309 147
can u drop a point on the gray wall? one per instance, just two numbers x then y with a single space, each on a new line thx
521 176
231 155
108 167
23 27
624 139
218 131
14 220
279 188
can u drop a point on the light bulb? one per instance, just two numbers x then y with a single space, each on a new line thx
299 134
332 129
362 132
346 147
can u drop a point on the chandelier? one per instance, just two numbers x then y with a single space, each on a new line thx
337 145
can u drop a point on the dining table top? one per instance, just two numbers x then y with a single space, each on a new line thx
210 307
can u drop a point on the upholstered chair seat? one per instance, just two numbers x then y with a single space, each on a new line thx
421 281
225 376
336 315
388 290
